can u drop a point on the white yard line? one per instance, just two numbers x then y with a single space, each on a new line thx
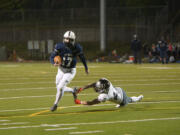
93 76
19 110
16 123
145 80
114 122
4 98
45 108
55 129
43 96
52 82
4 120
91 123
144 84
119 80
37 88
26 78
27 97
150 84
86 132
160 67
89 94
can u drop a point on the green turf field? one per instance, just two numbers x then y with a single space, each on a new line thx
27 91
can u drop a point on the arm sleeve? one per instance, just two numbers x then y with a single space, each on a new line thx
83 60
89 86
95 101
53 54
81 56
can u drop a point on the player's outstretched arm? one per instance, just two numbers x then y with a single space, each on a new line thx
95 101
92 85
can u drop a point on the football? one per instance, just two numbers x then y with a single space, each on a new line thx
57 59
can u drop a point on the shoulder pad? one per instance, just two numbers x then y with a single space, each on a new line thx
79 48
58 47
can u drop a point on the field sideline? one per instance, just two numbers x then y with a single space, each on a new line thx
27 91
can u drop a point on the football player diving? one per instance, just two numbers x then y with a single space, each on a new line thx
68 50
107 92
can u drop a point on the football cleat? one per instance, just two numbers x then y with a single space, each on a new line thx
54 107
74 93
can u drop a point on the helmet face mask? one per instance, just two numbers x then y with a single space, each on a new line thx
102 86
98 87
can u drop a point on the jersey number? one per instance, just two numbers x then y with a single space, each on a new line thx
67 61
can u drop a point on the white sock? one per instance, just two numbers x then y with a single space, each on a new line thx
136 99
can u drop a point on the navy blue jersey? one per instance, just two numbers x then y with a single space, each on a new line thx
136 45
68 55
163 47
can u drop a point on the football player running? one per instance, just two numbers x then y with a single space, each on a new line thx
107 92
68 50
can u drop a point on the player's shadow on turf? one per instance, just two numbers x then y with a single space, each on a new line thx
96 110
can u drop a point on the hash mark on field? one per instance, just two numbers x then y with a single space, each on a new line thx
55 129
16 123
52 82
91 123
45 108
82 94
4 120
86 132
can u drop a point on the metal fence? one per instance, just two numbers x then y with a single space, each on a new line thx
35 28
51 24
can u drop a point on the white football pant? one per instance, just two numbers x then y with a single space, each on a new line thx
63 78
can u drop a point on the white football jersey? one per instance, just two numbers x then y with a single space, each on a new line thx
114 94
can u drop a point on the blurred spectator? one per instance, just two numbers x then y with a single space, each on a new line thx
174 51
145 50
113 56
153 54
136 49
178 50
162 47
170 49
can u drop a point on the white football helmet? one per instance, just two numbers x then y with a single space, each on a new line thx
102 86
69 37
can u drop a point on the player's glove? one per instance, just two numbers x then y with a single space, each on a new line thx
77 101
79 90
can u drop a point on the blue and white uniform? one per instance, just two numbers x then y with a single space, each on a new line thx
67 69
68 55
117 95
